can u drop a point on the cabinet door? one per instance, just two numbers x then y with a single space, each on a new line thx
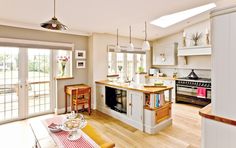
135 105
100 95
165 54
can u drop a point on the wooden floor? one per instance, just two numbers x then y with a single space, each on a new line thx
184 133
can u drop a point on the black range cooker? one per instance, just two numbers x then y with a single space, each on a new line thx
193 89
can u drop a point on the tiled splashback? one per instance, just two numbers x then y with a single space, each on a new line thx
185 72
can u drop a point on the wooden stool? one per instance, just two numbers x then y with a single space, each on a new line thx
82 97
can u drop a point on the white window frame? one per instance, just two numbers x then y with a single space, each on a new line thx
114 60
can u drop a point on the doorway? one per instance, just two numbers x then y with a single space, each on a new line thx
25 83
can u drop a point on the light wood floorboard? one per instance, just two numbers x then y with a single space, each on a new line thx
184 133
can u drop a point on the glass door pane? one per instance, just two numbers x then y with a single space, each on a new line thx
120 63
9 78
141 62
38 81
130 66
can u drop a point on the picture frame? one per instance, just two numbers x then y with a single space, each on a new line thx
80 54
80 64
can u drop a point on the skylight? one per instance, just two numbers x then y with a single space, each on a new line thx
168 20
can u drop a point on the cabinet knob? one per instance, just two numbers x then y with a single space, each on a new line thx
102 96
130 104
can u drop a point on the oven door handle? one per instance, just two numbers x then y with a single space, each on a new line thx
184 86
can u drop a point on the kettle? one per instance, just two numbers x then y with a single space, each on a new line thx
192 75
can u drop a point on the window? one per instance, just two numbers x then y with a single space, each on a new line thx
120 63
130 65
126 64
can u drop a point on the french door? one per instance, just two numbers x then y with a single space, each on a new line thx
25 83
39 81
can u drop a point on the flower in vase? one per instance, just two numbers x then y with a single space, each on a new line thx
62 60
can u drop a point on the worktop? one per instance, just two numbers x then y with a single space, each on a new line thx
206 112
135 87
161 78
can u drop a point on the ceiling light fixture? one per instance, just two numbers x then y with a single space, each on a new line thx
146 45
131 45
117 48
168 20
54 24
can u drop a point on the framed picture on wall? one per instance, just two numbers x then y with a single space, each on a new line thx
80 64
80 54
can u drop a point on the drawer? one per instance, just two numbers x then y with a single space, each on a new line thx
163 112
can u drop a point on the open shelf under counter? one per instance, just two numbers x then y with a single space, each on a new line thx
168 103
161 113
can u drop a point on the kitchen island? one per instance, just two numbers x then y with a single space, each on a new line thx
143 107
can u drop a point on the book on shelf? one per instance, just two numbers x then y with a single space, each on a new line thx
155 100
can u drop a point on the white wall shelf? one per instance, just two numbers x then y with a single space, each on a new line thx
194 51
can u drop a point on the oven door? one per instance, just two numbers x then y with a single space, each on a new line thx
188 94
186 90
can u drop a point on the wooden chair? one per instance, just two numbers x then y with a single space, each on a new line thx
82 97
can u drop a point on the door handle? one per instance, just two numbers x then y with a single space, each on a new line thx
130 104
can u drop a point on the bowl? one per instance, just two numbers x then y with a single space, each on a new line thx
55 129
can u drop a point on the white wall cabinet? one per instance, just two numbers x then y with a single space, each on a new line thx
165 54
134 106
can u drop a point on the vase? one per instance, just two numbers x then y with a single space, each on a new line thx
195 42
63 67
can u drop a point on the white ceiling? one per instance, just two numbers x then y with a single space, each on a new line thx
101 16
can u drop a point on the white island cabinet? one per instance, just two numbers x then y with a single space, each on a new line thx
100 95
134 97
135 103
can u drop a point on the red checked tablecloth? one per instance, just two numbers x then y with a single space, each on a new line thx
61 140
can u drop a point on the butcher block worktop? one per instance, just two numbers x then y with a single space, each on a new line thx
206 112
136 87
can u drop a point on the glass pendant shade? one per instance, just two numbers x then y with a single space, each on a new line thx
117 48
131 46
146 45
54 24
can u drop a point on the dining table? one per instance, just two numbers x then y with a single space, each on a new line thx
44 138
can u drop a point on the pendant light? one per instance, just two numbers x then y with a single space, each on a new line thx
54 24
146 45
117 48
131 45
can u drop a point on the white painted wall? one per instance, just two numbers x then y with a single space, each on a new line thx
98 62
202 28
80 42
202 64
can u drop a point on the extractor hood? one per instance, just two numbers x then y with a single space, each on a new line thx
194 51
